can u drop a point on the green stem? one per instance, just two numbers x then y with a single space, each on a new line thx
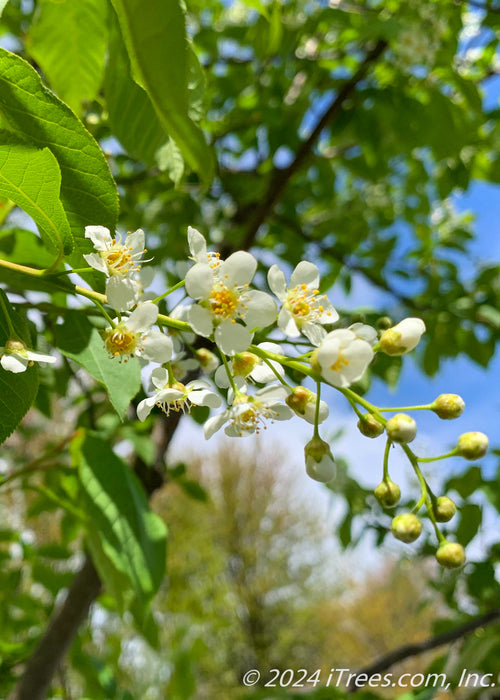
407 408
316 413
171 377
169 291
77 271
228 372
453 453
278 375
12 331
386 459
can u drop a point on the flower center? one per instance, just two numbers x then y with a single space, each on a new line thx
178 404
223 301
121 341
304 303
339 363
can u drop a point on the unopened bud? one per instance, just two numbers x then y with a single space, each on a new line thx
15 346
406 527
451 555
444 509
448 406
244 363
384 322
401 428
387 493
208 361
472 445
320 464
303 402
369 426
403 337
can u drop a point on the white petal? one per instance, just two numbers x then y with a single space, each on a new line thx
271 347
14 363
135 241
157 347
100 237
263 374
145 407
199 281
159 377
221 378
38 357
238 269
277 282
329 313
231 337
200 320
342 335
314 332
122 292
282 412
261 311
305 273
143 317
204 397
198 384
364 332
274 391
310 412
286 323
95 261
214 424
197 245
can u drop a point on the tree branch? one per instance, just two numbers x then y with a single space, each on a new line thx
58 637
281 176
409 650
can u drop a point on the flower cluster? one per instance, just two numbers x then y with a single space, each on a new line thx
205 350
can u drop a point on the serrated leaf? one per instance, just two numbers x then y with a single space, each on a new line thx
80 341
131 114
31 178
17 391
68 41
88 192
129 535
159 54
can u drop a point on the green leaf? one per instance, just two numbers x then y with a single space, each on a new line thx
170 160
68 40
2 5
259 6
131 114
159 53
80 341
17 391
31 178
88 192
128 534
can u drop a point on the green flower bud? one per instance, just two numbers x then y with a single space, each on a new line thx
320 464
451 555
387 493
406 527
384 322
448 406
444 509
472 445
369 426
244 363
401 428
207 359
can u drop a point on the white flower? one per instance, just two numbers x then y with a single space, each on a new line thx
134 335
304 310
182 364
119 261
403 337
224 298
15 356
176 396
248 414
320 464
342 358
248 365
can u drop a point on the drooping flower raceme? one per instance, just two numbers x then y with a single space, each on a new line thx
134 335
221 288
342 357
248 414
119 261
15 356
174 396
304 310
